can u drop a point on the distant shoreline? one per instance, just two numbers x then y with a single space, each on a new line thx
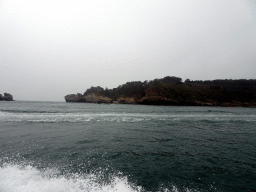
222 105
171 91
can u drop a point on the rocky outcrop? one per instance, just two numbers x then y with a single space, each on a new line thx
126 100
91 98
6 97
157 100
75 98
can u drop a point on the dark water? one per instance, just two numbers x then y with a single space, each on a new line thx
57 147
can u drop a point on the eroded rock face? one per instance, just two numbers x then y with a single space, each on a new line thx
6 97
71 98
157 100
75 98
91 98
105 99
126 100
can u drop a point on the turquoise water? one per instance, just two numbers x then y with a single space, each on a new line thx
58 146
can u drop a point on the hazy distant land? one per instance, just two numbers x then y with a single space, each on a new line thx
172 91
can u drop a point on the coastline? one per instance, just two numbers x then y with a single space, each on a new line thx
199 104
171 91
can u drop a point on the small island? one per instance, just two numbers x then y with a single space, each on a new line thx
6 97
172 91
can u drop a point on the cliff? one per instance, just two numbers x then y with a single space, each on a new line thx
126 100
91 98
6 97
75 98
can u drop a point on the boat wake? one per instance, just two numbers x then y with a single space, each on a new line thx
15 178
27 178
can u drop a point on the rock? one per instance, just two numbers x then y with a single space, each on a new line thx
75 98
91 98
126 100
8 97
81 98
157 100
71 98
105 99
1 97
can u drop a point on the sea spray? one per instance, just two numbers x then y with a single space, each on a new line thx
15 178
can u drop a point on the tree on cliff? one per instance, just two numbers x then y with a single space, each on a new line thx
95 90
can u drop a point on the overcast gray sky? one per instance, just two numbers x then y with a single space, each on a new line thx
51 48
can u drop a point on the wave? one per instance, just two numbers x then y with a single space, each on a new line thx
215 111
186 111
15 178
122 117
28 111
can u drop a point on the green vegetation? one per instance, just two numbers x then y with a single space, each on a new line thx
172 91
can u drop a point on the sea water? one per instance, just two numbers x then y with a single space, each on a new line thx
64 147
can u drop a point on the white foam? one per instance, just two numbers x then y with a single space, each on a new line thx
118 117
15 178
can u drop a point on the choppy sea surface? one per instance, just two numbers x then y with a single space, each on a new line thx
77 147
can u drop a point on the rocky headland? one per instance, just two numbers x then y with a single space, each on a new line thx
172 91
6 97
91 98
